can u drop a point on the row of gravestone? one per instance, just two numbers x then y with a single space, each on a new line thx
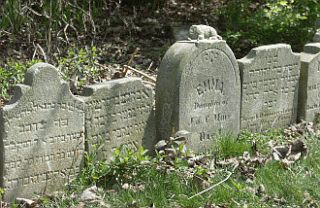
44 126
202 88
199 89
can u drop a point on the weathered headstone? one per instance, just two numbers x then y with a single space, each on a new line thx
270 81
119 112
309 88
41 135
198 89
316 37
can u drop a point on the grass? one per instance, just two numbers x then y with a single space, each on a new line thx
297 184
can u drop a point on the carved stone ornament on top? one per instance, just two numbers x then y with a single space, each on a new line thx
202 32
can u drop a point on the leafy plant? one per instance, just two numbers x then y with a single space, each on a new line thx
11 74
123 162
275 21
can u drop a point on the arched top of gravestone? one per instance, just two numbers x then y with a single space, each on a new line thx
259 52
42 73
312 48
101 89
42 83
198 87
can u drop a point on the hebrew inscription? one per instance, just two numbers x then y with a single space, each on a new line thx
42 135
117 113
270 77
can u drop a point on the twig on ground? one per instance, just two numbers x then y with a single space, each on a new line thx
124 69
65 34
5 32
217 184
65 22
149 83
104 67
236 203
35 51
139 72
150 65
42 51
40 15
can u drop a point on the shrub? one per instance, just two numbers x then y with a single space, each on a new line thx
268 22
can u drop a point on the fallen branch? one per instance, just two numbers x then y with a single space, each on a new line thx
149 68
65 34
35 51
149 83
104 67
139 72
125 69
217 184
42 51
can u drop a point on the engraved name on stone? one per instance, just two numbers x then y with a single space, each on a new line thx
198 90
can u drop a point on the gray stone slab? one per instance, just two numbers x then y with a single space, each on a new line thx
198 90
119 112
41 135
270 78
316 37
309 88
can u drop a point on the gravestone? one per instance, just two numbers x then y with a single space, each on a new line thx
309 88
270 78
198 89
41 135
119 112
316 37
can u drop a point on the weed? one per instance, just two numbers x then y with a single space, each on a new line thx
11 74
289 22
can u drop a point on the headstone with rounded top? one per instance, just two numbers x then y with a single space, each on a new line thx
41 135
198 89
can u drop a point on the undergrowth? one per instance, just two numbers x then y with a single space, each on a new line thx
133 179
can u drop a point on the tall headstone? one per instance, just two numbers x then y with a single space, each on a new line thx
309 88
270 81
119 112
41 135
198 89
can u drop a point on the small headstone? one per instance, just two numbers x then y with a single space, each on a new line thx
119 112
41 135
270 81
316 37
198 89
309 89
